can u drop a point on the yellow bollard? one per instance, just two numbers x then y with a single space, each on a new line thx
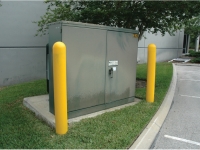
60 87
151 72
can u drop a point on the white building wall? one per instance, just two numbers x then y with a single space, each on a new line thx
16 26
167 47
22 55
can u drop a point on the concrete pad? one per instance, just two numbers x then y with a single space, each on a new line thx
146 138
40 106
184 60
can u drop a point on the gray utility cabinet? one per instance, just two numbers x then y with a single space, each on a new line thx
101 66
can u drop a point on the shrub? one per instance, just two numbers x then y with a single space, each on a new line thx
195 60
194 54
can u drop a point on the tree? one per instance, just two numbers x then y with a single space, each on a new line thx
152 16
193 27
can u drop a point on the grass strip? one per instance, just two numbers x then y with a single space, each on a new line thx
19 128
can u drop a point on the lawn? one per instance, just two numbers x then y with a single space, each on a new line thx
20 128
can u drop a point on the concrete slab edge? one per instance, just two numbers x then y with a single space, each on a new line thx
77 119
44 114
147 137
38 114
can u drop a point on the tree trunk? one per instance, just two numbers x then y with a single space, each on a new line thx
197 44
188 44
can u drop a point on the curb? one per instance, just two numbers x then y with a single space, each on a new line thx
148 135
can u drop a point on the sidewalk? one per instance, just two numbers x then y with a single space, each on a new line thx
181 108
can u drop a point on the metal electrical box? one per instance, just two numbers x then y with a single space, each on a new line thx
101 66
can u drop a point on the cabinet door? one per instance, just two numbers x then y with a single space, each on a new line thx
120 66
86 51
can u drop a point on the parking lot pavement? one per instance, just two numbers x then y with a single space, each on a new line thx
181 129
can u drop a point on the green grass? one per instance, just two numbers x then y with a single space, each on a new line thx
20 128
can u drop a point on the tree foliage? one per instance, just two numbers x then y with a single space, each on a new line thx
193 27
152 16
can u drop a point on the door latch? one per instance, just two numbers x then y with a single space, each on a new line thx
111 72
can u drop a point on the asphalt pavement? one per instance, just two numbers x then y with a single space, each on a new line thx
181 128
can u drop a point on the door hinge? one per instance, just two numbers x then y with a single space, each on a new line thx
60 30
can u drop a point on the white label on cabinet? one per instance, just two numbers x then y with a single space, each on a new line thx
113 63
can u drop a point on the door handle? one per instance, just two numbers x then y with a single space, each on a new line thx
111 72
